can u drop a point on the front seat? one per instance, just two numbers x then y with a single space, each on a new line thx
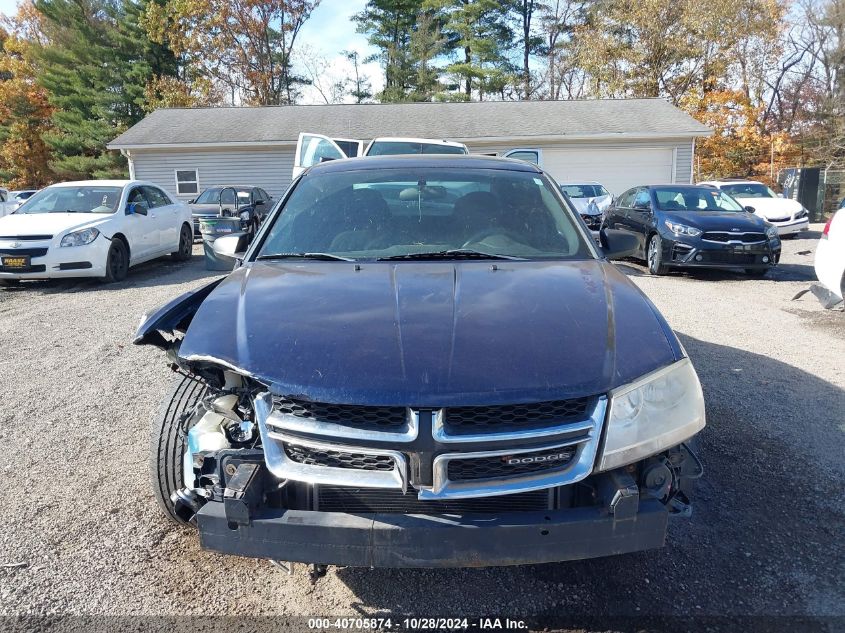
366 216
474 212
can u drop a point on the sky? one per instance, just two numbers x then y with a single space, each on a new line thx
328 31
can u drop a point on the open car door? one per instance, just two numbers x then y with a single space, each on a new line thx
315 148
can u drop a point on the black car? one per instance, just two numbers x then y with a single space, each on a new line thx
251 204
685 226
423 361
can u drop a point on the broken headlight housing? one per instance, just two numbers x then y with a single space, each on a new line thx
657 412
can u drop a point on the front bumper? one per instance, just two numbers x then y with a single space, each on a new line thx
48 260
397 540
699 253
790 226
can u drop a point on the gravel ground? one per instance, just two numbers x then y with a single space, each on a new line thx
765 537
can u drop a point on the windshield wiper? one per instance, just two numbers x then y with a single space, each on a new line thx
454 253
321 256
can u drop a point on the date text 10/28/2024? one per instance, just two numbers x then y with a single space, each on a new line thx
416 624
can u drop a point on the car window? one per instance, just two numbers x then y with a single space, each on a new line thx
748 190
626 198
156 197
394 212
81 199
643 199
391 148
136 196
694 199
584 191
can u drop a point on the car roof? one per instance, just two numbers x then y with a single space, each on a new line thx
577 183
232 186
409 139
100 183
730 181
411 161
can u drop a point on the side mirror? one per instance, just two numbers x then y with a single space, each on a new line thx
642 206
258 203
750 209
192 201
616 244
231 247
136 208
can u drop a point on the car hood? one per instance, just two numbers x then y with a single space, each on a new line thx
431 333
204 210
18 224
771 207
591 206
718 220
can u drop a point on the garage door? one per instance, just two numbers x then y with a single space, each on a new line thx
616 169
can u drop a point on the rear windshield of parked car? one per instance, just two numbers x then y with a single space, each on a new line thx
694 199
391 148
369 213
748 190
212 196
584 191
81 199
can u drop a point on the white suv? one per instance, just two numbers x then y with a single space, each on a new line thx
788 215
92 228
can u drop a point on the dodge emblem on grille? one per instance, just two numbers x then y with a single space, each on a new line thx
533 459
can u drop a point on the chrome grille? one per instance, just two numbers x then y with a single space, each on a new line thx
338 459
465 420
502 466
28 252
362 417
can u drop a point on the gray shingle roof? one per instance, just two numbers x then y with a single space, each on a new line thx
458 121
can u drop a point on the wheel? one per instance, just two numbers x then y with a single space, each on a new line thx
168 434
186 245
117 262
757 273
655 255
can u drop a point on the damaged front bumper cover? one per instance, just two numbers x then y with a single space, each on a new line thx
409 540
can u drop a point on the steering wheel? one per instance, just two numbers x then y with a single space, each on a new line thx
489 231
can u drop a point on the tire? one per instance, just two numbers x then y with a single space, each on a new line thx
168 434
117 262
655 259
186 245
757 273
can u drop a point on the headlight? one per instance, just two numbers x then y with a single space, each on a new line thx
79 238
803 213
682 229
657 412
772 232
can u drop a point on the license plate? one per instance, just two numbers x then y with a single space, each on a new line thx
17 261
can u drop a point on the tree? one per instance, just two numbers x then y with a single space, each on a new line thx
529 42
389 25
479 34
358 85
94 63
244 47
24 118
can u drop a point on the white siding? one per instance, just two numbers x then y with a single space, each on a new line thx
618 165
266 167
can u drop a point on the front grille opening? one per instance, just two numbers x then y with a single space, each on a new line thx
500 467
496 419
726 257
369 418
725 236
369 500
338 459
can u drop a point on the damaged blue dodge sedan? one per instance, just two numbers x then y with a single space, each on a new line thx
423 361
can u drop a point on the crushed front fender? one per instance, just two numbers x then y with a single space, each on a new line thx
173 316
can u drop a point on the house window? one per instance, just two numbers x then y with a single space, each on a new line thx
187 182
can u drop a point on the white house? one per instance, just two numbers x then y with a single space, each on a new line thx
617 142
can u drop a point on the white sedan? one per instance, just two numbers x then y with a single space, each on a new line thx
93 228
830 257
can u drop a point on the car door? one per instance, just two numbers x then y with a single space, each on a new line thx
640 215
616 214
315 148
165 216
139 227
527 154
